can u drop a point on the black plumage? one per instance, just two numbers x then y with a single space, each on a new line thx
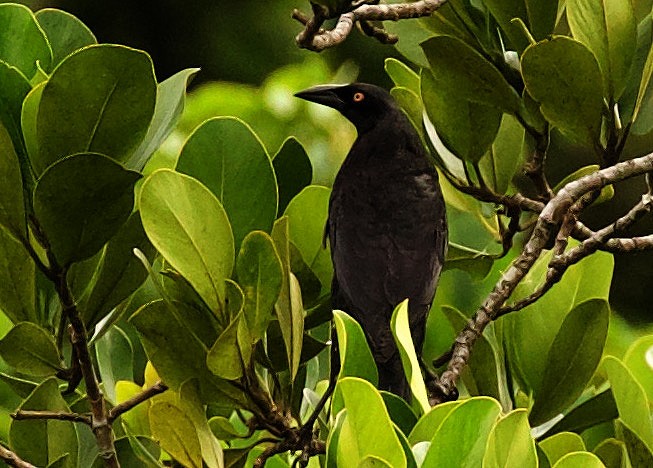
387 225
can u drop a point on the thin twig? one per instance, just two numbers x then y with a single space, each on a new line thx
22 415
11 459
145 395
550 217
314 38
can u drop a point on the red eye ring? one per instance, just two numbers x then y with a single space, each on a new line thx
358 97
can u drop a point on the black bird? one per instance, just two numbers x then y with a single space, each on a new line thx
387 224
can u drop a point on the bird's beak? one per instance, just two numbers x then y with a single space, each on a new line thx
323 94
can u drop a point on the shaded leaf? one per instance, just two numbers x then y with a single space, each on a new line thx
115 358
504 158
30 350
65 33
22 41
17 280
538 16
99 99
402 75
293 170
639 361
12 208
81 202
175 432
596 410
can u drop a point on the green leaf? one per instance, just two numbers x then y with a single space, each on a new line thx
466 128
190 230
639 452
403 337
538 16
293 170
576 459
17 280
367 429
226 155
596 410
462 437
99 99
13 91
611 452
65 33
464 74
372 461
22 42
170 101
115 358
260 276
558 445
28 118
631 399
504 158
136 420
43 441
573 357
477 264
411 104
402 75
175 432
12 208
412 34
564 77
81 202
639 361
607 192
118 273
609 30
529 334
289 308
400 412
510 443
30 350
355 356
307 215
430 422
229 356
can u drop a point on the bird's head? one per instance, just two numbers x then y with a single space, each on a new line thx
363 104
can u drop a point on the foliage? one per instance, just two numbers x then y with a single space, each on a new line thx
190 249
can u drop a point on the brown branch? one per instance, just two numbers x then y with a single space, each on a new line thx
22 415
316 39
11 459
551 216
145 395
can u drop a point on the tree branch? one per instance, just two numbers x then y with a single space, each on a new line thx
11 459
551 216
22 415
316 39
145 395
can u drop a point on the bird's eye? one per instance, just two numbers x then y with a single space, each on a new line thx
358 97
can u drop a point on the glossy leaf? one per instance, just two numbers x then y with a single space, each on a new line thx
226 155
42 442
28 118
229 356
99 99
631 400
502 161
366 414
400 412
136 421
402 75
609 30
355 356
403 337
307 214
564 77
65 33
576 459
176 434
573 358
13 91
596 410
607 192
12 208
411 104
81 202
466 128
558 445
289 308
293 170
462 437
118 273
510 443
260 276
464 74
30 350
430 422
115 358
22 41
539 17
170 101
17 280
639 361
530 334
190 230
